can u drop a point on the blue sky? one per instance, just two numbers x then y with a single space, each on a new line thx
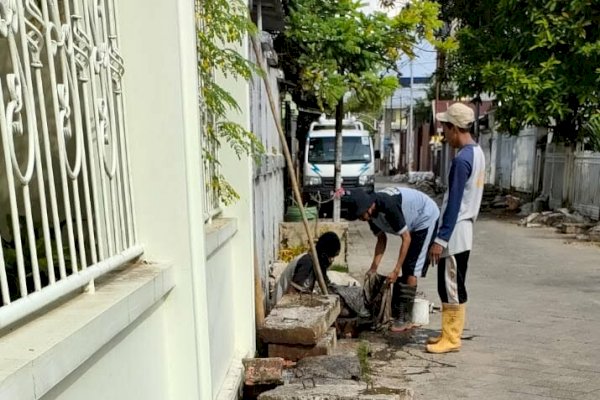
424 62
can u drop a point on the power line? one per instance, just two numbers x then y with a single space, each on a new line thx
425 50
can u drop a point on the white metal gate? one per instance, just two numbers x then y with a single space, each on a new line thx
64 184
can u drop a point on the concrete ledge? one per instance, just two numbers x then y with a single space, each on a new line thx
231 388
300 319
39 354
218 233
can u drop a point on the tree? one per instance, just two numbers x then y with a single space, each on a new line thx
541 59
222 25
335 48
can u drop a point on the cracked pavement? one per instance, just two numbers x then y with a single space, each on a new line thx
533 319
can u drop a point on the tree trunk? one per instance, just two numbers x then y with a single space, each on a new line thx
339 120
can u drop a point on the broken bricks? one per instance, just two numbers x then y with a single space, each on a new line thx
263 371
291 352
300 319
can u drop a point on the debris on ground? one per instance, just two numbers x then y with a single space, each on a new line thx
561 218
593 234
292 352
494 199
513 203
566 222
338 377
300 319
426 182
263 371
414 177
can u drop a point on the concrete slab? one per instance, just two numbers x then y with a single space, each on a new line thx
347 391
325 346
300 319
325 369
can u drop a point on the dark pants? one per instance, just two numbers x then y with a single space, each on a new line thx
414 263
452 275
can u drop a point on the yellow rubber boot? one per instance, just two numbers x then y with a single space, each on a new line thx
453 321
435 339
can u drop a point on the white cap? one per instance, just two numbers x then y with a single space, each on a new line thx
458 115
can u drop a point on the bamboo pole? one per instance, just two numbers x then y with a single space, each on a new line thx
290 165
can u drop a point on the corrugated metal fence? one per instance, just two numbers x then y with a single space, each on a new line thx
554 175
586 184
269 175
573 179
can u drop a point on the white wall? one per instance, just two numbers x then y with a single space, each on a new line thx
165 356
159 46
137 355
230 271
182 348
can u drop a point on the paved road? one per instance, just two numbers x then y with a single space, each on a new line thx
533 320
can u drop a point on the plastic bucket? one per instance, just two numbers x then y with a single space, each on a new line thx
293 213
420 314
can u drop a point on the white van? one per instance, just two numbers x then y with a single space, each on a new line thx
358 165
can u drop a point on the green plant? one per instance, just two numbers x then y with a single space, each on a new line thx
222 25
9 249
339 268
363 352
592 133
541 60
333 48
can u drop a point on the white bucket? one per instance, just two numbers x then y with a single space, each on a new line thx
420 313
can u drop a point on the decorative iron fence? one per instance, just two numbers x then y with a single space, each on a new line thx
65 184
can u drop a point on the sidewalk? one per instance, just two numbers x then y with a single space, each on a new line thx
533 320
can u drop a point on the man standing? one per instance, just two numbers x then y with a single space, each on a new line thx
455 237
412 215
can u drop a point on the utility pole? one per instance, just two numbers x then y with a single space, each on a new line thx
410 136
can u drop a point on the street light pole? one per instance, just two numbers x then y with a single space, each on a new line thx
410 136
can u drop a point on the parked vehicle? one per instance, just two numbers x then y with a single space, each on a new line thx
358 166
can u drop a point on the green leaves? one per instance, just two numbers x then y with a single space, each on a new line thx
223 24
540 59
338 49
592 132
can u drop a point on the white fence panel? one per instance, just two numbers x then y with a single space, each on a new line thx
505 160
586 184
269 176
65 195
554 177
523 162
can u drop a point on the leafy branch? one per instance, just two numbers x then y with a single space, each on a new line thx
222 25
